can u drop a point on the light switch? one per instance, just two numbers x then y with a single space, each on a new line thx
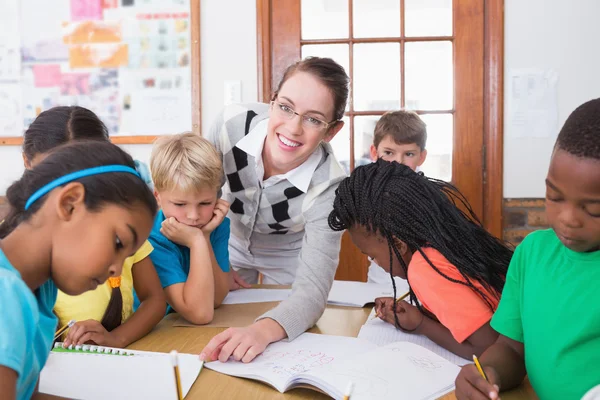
232 92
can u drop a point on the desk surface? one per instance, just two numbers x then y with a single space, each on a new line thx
340 321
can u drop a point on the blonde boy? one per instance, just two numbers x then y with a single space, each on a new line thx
399 136
191 231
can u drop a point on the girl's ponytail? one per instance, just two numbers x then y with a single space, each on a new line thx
17 196
114 311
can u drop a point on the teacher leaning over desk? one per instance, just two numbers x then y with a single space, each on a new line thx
281 177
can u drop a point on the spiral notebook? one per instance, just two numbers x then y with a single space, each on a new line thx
328 363
96 372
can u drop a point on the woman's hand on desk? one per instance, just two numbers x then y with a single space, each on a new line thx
409 316
471 385
236 282
243 344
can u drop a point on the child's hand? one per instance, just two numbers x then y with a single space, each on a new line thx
409 316
236 281
219 213
471 385
179 233
90 332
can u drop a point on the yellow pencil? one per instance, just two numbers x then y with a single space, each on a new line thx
177 378
349 390
476 361
63 329
405 295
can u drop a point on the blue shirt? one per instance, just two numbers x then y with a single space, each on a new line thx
172 261
27 326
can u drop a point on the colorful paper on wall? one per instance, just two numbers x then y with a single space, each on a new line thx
104 55
92 32
46 75
128 61
82 10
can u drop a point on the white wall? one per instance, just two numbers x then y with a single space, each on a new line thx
548 34
228 52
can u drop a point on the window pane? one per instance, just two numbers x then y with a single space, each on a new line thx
440 135
428 17
363 138
376 18
341 145
338 52
429 75
324 19
376 76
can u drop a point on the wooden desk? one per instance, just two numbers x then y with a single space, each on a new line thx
342 321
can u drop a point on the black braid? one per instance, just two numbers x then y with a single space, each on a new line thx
392 200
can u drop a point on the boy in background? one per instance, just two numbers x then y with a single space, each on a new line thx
399 136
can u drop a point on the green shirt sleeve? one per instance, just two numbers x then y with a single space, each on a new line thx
507 319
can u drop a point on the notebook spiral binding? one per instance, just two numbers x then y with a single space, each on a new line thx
91 349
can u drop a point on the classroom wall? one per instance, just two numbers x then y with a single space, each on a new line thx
548 34
228 52
538 33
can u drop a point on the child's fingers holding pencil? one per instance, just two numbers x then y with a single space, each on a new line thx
472 386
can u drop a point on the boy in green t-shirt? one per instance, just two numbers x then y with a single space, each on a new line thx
548 317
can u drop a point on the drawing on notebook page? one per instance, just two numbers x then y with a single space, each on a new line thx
381 333
424 363
291 363
366 384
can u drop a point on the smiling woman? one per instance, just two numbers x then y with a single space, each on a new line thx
281 180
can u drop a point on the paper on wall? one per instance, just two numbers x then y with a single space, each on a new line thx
532 103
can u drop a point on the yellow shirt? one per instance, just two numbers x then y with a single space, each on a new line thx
92 304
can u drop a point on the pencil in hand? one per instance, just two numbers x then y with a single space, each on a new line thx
478 365
64 328
405 295
175 362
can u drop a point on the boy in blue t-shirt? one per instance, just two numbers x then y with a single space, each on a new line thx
548 313
191 231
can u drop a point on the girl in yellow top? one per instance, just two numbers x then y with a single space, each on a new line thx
105 315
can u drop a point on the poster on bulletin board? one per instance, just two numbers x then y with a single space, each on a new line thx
135 63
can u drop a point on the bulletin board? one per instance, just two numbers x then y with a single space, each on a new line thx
135 63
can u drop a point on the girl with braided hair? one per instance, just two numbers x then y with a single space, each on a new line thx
415 228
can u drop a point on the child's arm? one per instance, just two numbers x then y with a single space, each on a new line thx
476 344
219 252
413 321
8 382
221 277
194 298
152 304
8 386
203 285
504 366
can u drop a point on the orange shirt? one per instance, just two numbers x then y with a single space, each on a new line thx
456 306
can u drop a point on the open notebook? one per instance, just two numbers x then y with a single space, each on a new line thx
358 294
382 333
328 363
96 372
